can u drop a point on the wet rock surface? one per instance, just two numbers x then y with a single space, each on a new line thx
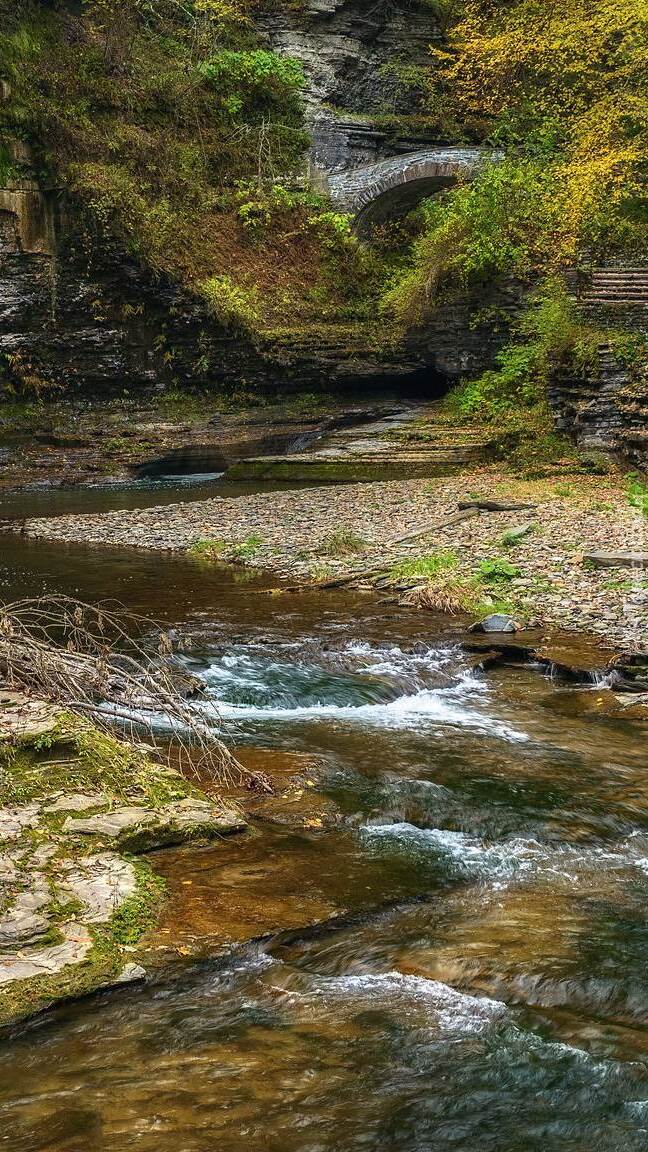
73 442
496 622
137 828
71 905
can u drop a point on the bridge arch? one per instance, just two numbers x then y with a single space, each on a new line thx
391 188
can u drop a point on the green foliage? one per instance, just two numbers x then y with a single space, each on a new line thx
424 567
497 569
148 111
512 537
208 549
334 228
138 912
232 305
7 167
255 84
212 549
485 228
247 549
560 93
511 397
638 492
260 207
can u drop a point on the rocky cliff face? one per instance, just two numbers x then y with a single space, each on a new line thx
104 326
359 57
107 328
605 408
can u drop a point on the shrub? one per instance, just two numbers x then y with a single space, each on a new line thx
232 305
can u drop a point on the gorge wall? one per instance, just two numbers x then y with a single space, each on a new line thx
359 57
102 324
605 407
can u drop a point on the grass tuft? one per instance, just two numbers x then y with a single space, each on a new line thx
342 543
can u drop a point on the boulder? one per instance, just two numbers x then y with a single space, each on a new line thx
26 921
617 559
513 535
101 883
77 802
496 622
74 947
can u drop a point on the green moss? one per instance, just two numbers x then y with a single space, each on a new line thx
105 960
74 756
25 998
138 913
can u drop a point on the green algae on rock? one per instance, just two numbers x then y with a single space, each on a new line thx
74 801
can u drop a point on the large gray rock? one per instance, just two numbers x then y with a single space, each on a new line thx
14 821
497 622
26 920
77 802
139 829
101 883
617 559
73 949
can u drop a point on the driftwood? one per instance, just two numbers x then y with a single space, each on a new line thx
495 506
364 573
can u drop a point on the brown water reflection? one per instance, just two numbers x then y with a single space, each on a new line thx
454 958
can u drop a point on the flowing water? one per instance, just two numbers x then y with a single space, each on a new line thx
458 963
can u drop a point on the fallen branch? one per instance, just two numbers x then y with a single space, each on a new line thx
364 573
101 662
494 506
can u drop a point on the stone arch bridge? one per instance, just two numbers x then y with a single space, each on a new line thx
390 188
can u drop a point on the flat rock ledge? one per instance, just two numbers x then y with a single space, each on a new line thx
72 905
138 829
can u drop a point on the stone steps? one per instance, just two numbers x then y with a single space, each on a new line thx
619 287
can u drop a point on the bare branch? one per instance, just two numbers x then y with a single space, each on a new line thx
118 668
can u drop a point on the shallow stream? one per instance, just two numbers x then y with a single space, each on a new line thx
458 963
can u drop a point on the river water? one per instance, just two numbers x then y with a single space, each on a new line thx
477 977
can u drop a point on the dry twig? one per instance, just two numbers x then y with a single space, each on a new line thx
113 667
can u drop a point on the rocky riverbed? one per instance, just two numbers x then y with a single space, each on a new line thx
71 442
387 533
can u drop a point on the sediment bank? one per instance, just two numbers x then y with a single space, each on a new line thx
316 534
